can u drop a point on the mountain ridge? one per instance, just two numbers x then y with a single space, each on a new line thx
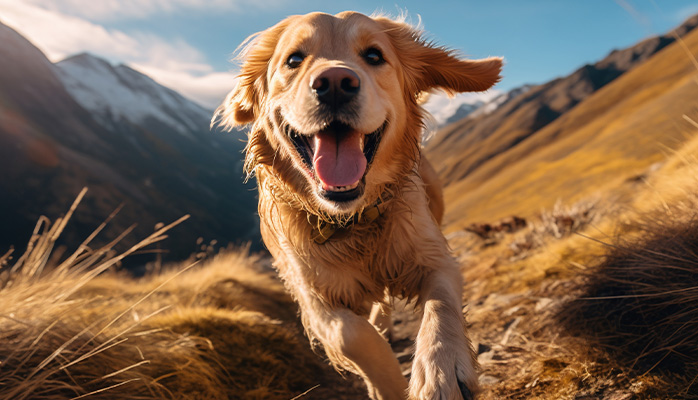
468 144
162 164
132 95
614 133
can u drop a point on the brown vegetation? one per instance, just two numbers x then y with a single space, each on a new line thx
218 329
606 312
641 306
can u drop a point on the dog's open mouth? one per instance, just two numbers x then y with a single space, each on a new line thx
338 157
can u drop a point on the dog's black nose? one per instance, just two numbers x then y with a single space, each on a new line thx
336 86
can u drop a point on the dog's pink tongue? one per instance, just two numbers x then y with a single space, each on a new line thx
338 159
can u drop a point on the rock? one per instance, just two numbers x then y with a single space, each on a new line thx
489 380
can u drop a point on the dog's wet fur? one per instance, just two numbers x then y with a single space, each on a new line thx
336 127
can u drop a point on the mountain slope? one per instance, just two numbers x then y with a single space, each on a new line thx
114 93
171 141
42 168
160 159
466 145
614 134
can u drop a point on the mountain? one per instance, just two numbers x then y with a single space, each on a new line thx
119 93
130 140
492 105
445 109
469 144
445 114
568 138
463 111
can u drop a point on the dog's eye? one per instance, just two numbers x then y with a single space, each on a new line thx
373 56
295 60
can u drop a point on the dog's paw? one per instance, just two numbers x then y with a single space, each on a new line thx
442 375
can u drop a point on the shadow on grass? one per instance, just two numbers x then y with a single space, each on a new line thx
641 304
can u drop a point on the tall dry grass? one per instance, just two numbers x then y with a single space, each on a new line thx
640 303
77 327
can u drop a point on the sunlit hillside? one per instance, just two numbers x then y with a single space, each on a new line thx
608 311
222 328
617 133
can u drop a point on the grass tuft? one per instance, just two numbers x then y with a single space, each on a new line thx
641 303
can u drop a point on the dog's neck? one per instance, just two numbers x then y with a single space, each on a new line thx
323 230
324 225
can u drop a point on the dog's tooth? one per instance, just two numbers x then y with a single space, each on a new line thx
341 188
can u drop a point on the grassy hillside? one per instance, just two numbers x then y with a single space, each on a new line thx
548 311
594 296
465 146
218 329
615 134
607 312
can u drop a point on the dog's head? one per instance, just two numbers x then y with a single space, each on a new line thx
334 102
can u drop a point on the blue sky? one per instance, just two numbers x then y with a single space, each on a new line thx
187 44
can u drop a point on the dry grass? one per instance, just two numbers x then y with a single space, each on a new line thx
608 312
220 329
641 303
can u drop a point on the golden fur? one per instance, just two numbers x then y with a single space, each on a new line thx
402 253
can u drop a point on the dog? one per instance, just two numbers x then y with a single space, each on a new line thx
350 208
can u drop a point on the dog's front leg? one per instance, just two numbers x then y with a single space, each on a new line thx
444 366
353 343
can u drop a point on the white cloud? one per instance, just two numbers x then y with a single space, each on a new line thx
109 10
174 62
59 35
209 89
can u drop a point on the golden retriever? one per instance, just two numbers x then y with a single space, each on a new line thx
349 207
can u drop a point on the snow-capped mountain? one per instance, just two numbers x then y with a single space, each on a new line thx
497 101
118 92
125 137
445 109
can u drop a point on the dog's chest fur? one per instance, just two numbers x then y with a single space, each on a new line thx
356 267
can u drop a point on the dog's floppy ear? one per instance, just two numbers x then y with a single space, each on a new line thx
242 105
441 69
428 66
